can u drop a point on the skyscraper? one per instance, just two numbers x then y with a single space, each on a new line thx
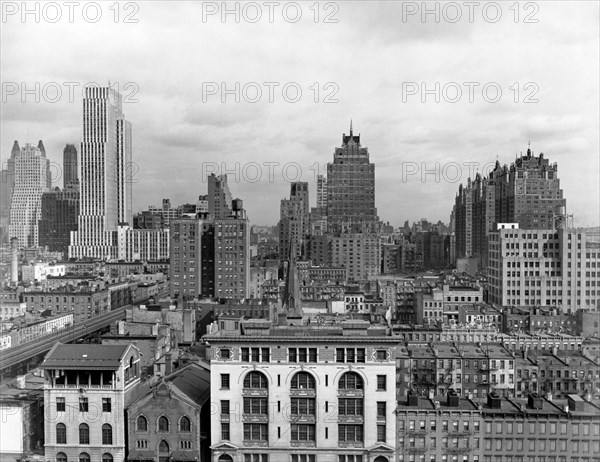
32 179
105 170
351 188
70 175
7 183
219 197
528 193
60 209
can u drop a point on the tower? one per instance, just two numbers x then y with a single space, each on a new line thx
105 183
351 188
70 165
32 179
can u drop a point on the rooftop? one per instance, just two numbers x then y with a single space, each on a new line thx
84 356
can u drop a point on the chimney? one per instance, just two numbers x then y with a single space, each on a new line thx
535 401
168 364
452 398
549 396
431 393
554 351
493 400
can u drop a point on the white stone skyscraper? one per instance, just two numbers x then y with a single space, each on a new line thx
106 196
31 180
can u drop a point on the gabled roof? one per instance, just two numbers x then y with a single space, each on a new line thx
194 381
84 356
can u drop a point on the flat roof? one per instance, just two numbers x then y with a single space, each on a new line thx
84 356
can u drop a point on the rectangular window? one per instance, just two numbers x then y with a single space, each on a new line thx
350 433
303 432
225 407
60 405
381 437
225 431
106 405
381 382
224 381
255 432
381 413
83 405
304 458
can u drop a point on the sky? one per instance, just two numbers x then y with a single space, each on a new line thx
438 91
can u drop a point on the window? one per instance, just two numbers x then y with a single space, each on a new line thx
83 404
256 355
224 381
185 444
226 353
185 424
107 434
381 433
351 380
303 406
224 407
60 405
141 444
163 424
255 432
302 355
350 406
106 405
350 355
350 433
256 458
381 382
255 380
303 380
304 458
61 457
61 433
84 434
350 458
255 406
84 457
224 431
381 412
142 424
381 355
106 457
303 432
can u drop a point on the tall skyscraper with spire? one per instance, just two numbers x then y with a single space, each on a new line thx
106 196
351 188
32 179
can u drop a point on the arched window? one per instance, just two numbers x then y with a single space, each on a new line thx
84 434
61 457
84 457
106 457
163 424
351 380
303 380
255 380
225 458
142 424
184 424
107 434
61 434
381 459
163 446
